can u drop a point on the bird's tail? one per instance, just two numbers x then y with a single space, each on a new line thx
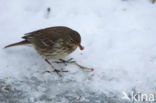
18 43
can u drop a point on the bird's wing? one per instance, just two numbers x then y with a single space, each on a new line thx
42 38
47 37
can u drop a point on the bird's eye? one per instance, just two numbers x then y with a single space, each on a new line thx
71 40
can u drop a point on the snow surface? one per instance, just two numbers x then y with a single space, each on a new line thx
120 44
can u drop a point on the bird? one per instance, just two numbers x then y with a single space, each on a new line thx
52 42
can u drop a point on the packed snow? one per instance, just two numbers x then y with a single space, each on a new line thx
119 37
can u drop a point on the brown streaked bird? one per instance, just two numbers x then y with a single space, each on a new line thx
52 43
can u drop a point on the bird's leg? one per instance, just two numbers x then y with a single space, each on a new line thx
83 67
74 62
55 70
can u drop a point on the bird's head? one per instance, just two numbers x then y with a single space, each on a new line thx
75 40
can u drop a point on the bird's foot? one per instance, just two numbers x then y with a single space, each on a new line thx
74 62
57 71
65 62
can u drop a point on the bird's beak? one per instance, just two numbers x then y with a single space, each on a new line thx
81 47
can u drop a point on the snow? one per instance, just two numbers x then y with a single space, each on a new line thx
119 40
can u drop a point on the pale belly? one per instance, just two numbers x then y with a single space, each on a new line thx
57 51
57 54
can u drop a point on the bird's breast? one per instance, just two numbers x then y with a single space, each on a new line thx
58 51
